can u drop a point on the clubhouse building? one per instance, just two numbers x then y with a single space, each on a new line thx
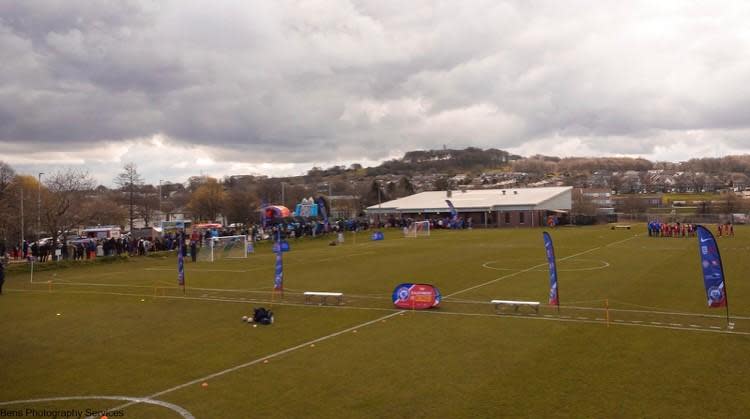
523 207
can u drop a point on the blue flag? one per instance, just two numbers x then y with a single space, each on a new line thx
550 250
713 271
454 213
322 209
278 280
180 264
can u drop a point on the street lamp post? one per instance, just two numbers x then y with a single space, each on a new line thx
160 196
22 226
39 208
378 183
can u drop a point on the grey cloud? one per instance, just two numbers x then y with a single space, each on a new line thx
308 81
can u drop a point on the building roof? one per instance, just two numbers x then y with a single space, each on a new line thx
477 200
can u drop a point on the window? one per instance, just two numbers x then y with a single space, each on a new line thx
521 217
507 218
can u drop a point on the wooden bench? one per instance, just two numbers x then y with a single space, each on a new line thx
323 296
515 304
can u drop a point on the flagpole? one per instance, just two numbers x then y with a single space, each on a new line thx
726 293
721 268
723 278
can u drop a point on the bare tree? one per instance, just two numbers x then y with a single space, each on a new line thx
103 209
207 202
241 205
63 198
731 204
583 204
633 205
129 180
8 201
146 203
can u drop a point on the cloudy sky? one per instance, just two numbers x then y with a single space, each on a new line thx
275 87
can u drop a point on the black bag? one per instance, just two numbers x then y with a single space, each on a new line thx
263 316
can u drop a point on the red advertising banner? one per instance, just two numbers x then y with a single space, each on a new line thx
416 296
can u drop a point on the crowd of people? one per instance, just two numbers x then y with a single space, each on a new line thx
660 229
86 248
80 249
436 222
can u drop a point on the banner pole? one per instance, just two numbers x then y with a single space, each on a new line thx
606 306
726 292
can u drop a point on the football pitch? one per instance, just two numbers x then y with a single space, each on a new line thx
633 336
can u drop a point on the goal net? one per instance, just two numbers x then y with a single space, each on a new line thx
417 229
226 247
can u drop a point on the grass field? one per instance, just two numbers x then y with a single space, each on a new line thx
125 330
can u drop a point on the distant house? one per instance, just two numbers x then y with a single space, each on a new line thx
600 197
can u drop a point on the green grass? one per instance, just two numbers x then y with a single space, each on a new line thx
668 198
126 329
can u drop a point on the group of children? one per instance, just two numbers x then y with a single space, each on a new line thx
659 229
726 229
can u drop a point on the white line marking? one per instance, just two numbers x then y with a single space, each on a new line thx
582 318
694 325
533 267
672 313
715 327
655 322
684 329
259 360
597 320
604 265
237 271
675 324
184 413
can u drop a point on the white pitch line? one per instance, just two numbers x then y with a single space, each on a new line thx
557 319
199 270
183 412
259 360
534 267
604 265
597 320
669 313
